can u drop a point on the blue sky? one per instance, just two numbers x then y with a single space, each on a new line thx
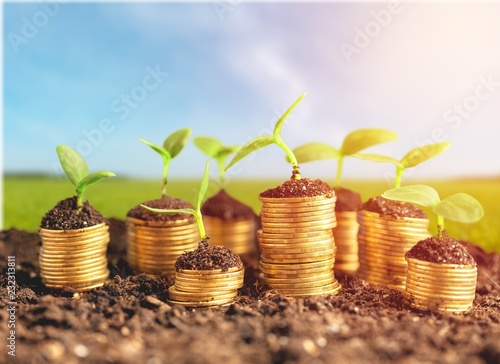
100 76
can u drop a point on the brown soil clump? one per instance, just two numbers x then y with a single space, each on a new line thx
225 207
347 200
305 187
391 208
441 250
65 216
165 202
208 257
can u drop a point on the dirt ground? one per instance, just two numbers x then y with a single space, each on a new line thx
129 321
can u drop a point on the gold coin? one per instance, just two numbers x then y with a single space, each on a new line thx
302 211
87 230
208 279
207 287
432 290
347 215
176 294
375 216
150 223
295 266
65 270
202 303
296 279
296 284
283 254
76 278
77 282
445 274
333 287
211 271
295 217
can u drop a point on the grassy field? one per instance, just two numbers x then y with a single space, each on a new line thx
27 199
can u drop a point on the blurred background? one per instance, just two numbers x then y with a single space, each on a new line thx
99 76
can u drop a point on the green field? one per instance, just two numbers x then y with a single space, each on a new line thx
27 199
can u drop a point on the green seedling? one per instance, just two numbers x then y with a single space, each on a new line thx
413 158
265 140
77 171
459 207
218 151
353 143
172 146
195 212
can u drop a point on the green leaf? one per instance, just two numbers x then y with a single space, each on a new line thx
416 194
165 154
203 186
225 151
460 207
315 151
72 163
418 155
250 147
93 178
364 138
210 146
378 158
281 120
176 141
170 211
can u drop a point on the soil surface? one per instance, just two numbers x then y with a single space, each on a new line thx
129 321
66 216
225 207
441 249
347 200
391 208
304 187
165 202
208 257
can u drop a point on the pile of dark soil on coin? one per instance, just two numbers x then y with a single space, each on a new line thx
208 257
441 249
391 208
129 320
66 216
347 200
166 202
225 207
304 187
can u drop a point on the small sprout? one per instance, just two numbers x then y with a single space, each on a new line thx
265 140
77 171
353 143
411 159
459 207
218 151
172 146
195 212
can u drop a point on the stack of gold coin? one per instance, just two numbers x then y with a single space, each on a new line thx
203 288
153 246
297 245
74 258
383 242
236 235
442 286
346 241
